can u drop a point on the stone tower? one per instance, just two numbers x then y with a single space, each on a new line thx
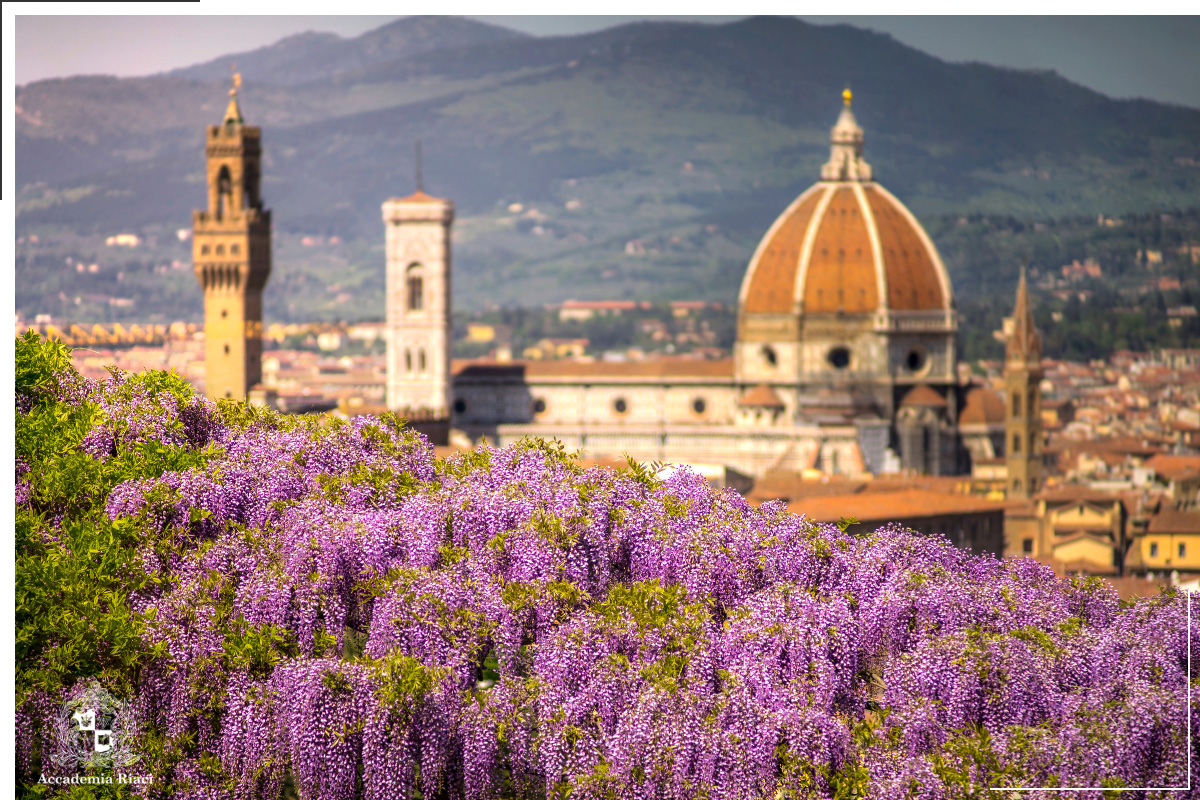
418 305
232 255
1022 379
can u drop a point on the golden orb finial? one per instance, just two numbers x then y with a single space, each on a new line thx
846 95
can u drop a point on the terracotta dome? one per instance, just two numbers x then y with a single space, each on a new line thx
846 245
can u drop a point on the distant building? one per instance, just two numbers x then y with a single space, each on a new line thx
1180 358
845 358
1022 381
418 305
972 523
586 309
231 249
1171 541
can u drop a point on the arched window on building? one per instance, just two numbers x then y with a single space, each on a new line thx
408 360
421 360
415 288
1016 444
224 194
1017 485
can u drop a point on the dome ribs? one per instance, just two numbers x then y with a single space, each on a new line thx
841 269
912 277
773 282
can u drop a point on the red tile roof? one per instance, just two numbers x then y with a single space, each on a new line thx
923 396
1171 521
982 407
885 506
1175 467
761 395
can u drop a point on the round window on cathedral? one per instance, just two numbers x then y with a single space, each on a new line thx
768 354
839 358
698 405
539 406
915 360
620 406
460 406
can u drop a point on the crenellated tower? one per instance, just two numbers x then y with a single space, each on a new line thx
232 255
1022 381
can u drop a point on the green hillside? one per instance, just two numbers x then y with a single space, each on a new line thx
647 160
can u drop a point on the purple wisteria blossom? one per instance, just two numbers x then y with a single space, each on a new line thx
335 612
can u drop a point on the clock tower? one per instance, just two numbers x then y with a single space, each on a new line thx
232 255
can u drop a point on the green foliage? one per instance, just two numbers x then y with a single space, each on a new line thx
386 485
971 768
649 605
74 567
257 649
404 681
39 365
645 474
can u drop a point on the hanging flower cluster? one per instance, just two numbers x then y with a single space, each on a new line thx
326 608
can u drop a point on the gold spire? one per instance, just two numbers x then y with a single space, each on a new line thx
233 113
846 96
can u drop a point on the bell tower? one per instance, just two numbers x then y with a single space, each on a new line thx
1022 381
418 304
231 249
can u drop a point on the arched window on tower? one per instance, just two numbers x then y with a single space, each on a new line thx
224 193
1016 443
1016 404
415 288
408 360
416 293
421 359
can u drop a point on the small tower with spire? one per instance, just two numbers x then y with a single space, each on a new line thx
232 255
417 233
1022 379
846 147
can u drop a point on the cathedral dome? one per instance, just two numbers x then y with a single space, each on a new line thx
846 245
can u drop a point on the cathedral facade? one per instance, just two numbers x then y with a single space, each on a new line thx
845 359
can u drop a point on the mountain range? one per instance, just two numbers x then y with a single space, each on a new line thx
641 161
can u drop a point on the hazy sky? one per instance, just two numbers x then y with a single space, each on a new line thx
1153 57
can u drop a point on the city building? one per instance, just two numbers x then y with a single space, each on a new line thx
845 356
418 304
970 522
232 255
1022 381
